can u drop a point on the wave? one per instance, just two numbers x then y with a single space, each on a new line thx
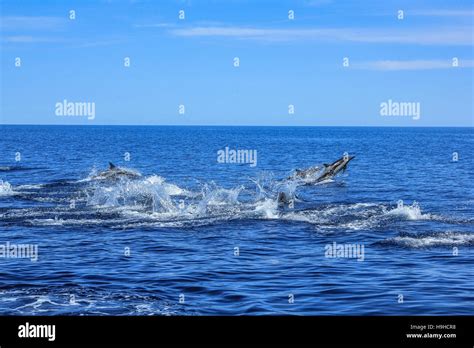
427 240
30 186
17 168
83 301
68 222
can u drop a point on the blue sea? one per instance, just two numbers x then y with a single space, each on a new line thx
194 236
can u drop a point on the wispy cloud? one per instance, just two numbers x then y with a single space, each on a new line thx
16 23
155 25
419 36
98 43
75 42
443 13
315 3
396 65
28 39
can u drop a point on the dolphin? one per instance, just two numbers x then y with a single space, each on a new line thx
115 172
326 172
284 198
331 170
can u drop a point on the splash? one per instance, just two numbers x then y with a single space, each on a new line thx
410 212
267 208
5 188
152 201
151 193
216 200
268 188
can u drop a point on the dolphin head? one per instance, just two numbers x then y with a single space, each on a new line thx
345 161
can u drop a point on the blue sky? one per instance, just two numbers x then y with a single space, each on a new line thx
282 61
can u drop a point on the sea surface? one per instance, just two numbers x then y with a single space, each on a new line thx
193 236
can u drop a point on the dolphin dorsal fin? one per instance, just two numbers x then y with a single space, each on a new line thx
111 165
326 165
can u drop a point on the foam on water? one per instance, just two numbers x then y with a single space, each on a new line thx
427 240
30 187
86 301
357 216
5 188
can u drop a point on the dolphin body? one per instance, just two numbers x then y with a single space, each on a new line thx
285 198
115 172
331 170
305 173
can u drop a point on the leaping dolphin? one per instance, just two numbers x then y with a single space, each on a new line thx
115 172
326 172
331 170
309 176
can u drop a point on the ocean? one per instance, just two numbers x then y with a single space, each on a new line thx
195 235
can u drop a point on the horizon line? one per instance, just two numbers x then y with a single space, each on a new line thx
232 125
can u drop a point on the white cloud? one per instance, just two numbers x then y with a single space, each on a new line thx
97 43
28 39
155 25
312 3
395 65
427 36
10 23
77 43
442 13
